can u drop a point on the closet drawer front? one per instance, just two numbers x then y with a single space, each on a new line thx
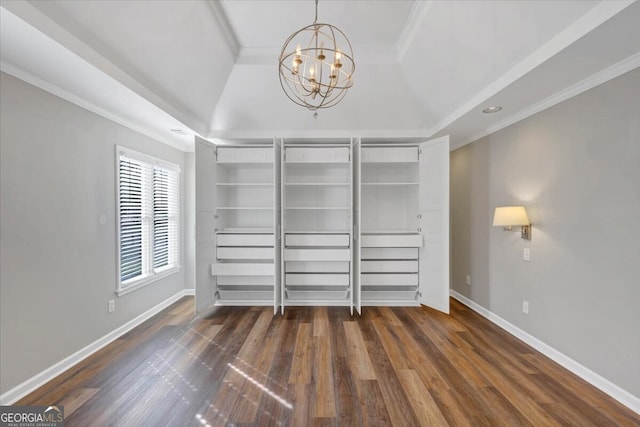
245 281
389 154
242 269
316 240
410 297
245 155
317 254
317 279
391 241
242 295
317 267
306 296
317 154
244 253
384 279
245 240
389 253
389 266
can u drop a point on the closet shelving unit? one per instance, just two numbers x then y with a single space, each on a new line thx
317 205
246 214
390 224
341 222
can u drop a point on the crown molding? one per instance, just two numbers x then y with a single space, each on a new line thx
411 26
589 21
225 27
391 134
186 145
584 85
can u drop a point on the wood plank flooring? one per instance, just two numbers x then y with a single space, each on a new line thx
319 366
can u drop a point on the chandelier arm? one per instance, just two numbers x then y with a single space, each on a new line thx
294 95
301 86
299 82
294 100
335 100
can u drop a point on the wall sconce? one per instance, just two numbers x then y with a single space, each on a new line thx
508 216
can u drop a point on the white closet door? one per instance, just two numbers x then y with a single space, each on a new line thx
356 299
434 223
205 223
277 224
280 230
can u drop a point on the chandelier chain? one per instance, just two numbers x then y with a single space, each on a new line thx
316 20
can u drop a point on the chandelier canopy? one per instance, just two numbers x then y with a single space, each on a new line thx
316 65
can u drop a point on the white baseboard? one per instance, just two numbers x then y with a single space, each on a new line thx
616 392
189 292
21 390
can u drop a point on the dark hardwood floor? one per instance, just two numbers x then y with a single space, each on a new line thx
320 366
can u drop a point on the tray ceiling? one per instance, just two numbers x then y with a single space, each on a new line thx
423 68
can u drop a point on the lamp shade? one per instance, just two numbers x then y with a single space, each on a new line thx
510 215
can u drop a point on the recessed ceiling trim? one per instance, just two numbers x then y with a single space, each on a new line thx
381 55
392 134
590 20
411 26
54 31
584 85
230 36
83 103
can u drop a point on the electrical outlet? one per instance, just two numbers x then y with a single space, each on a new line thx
525 307
112 305
526 254
468 280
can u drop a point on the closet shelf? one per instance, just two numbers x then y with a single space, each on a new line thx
389 232
245 230
251 208
318 162
344 231
382 184
396 163
318 208
317 184
244 184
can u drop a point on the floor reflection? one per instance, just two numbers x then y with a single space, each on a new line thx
220 388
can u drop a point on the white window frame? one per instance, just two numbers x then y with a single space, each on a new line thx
149 274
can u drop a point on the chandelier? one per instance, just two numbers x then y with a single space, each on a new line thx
316 65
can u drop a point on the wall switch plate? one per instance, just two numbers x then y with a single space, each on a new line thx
468 281
526 254
112 306
525 307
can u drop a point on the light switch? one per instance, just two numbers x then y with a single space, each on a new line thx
526 254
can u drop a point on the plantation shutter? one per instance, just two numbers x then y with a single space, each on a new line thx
165 217
149 223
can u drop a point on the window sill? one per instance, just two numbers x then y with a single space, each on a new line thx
138 284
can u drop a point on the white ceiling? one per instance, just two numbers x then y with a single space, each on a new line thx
423 68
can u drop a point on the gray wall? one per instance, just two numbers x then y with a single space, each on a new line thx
576 167
57 258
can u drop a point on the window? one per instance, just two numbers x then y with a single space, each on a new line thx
148 220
